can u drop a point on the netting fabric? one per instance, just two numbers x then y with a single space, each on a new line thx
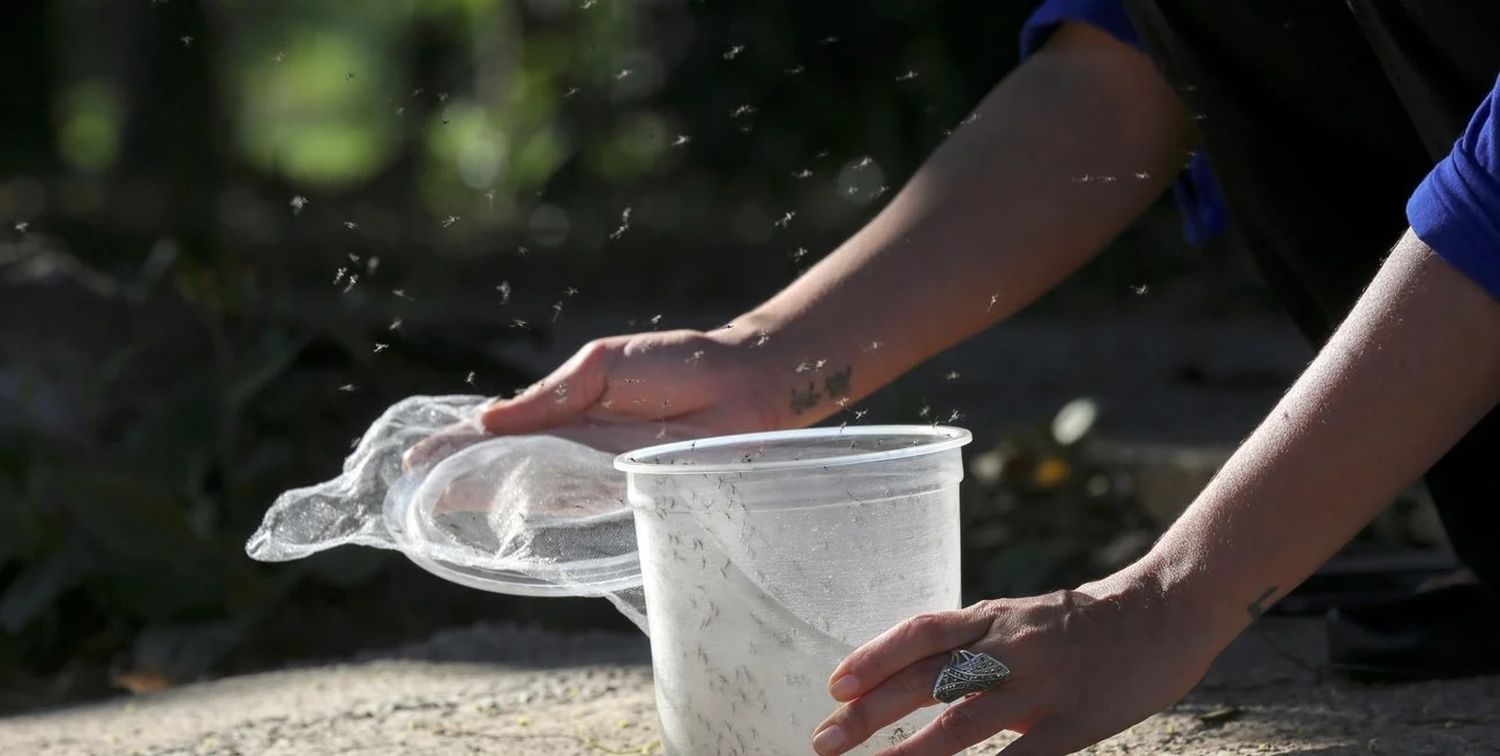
531 514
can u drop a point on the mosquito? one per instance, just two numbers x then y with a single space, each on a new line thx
624 224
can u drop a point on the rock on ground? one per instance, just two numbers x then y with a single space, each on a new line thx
499 689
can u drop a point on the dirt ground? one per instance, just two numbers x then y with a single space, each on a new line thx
499 689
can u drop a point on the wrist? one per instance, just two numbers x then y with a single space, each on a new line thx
807 372
761 344
1175 588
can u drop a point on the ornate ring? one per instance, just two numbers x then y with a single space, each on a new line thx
968 673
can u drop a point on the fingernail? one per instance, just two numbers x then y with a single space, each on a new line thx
844 688
829 740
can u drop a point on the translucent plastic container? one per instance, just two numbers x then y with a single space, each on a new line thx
768 557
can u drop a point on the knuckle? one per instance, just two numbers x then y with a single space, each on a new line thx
985 607
855 721
591 352
921 628
913 684
991 612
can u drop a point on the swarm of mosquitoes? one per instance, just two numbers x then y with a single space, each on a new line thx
349 276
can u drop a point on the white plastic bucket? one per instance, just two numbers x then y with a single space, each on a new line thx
768 557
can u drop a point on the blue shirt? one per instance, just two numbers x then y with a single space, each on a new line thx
1455 210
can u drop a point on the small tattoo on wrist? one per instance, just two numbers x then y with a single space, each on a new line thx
805 400
835 384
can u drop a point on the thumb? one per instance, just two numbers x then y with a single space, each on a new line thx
562 396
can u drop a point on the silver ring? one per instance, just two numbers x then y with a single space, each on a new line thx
968 673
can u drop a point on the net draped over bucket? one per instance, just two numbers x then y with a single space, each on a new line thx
529 515
825 550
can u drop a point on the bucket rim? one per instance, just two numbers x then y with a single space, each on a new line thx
935 439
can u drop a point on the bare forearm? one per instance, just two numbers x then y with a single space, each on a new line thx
1414 366
1063 155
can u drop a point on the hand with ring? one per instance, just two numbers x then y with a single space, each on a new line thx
1064 670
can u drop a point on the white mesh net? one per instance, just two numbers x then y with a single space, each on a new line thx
531 515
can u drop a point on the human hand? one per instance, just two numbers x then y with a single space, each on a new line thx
1085 664
625 392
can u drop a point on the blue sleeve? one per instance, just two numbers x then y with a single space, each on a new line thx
1196 190
1456 209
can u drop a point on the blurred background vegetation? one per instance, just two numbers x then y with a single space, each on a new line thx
235 230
